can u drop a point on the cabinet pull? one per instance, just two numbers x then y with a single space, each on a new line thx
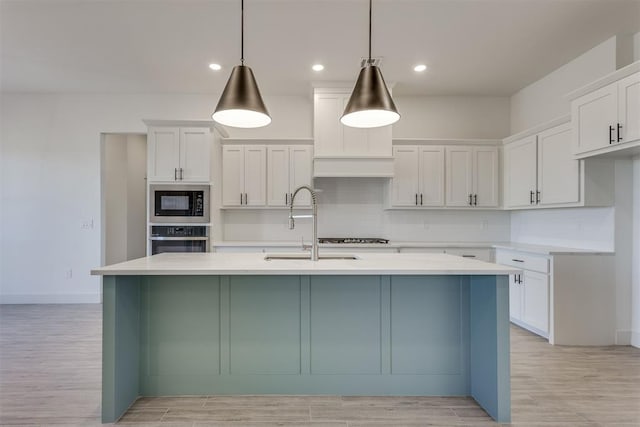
475 200
181 174
610 134
286 198
470 200
175 174
468 256
416 199
240 198
619 137
420 199
530 197
537 197
245 199
517 260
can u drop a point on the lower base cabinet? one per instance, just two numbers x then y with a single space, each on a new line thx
568 298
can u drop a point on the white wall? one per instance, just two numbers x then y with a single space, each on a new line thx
636 47
544 99
635 261
50 175
356 208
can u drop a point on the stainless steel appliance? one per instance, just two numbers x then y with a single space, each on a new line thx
187 238
179 203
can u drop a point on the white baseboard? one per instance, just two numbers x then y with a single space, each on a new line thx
635 339
51 299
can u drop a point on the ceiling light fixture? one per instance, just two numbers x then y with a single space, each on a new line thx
317 67
420 68
241 104
215 67
370 104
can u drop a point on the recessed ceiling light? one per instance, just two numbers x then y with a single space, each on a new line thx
215 67
420 68
317 67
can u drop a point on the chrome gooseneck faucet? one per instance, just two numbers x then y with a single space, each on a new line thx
314 215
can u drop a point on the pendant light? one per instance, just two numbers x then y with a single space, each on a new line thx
241 104
370 104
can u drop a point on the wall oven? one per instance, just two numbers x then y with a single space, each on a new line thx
188 238
179 204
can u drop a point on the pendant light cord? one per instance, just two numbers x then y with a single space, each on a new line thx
242 32
369 31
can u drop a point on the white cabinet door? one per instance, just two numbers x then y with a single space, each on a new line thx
278 175
535 300
629 108
459 182
255 172
431 173
520 172
594 118
232 175
195 156
300 173
558 172
404 185
515 298
328 109
164 154
485 176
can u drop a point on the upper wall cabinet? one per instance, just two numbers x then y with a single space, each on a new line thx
606 114
419 176
540 171
179 154
341 150
288 167
244 175
472 176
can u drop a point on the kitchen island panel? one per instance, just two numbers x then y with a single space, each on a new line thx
264 325
429 324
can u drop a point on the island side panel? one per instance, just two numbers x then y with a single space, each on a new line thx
490 361
181 335
120 345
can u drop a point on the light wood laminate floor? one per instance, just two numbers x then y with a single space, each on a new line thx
50 357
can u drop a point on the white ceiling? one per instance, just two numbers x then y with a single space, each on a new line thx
479 47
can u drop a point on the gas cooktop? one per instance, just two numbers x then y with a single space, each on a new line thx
363 240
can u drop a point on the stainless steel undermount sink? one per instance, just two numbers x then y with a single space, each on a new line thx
272 257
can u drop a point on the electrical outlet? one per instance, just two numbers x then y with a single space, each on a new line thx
87 225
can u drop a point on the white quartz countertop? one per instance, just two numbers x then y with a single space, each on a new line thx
394 244
255 263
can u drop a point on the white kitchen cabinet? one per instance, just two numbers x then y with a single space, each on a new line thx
481 254
332 138
540 171
566 296
288 167
418 176
472 176
607 117
244 175
179 154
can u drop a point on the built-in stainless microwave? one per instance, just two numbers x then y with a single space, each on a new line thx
179 204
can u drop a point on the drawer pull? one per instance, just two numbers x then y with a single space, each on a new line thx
468 256
517 260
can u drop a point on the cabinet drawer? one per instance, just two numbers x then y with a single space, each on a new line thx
473 253
523 260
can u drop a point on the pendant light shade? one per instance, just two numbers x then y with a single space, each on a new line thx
370 104
241 104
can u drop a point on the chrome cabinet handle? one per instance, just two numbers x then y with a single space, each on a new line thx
610 134
619 137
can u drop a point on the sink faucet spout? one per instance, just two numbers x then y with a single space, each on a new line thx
314 216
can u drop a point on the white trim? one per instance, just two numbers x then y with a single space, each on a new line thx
93 298
604 81
635 339
537 129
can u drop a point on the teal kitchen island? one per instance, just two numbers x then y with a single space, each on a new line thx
235 323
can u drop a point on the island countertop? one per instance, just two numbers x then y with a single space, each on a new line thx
255 264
